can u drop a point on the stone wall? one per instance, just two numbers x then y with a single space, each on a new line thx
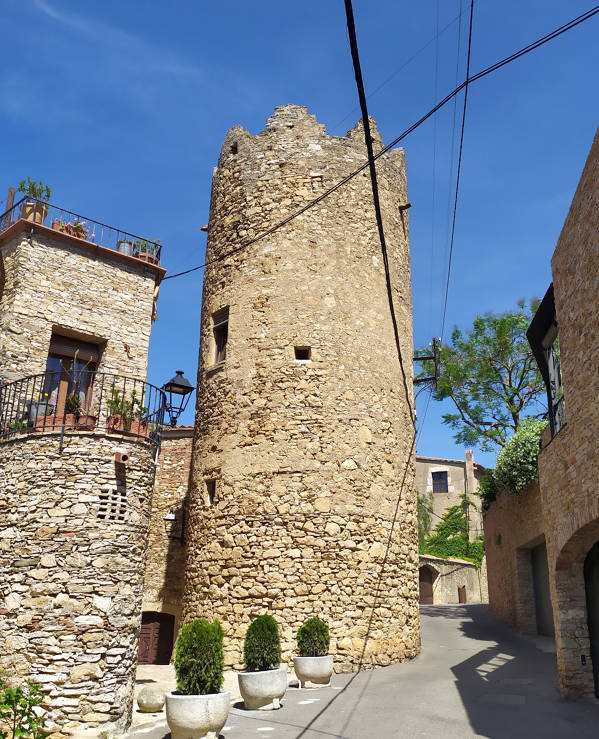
53 282
462 476
513 526
72 548
566 511
311 459
454 573
165 568
568 464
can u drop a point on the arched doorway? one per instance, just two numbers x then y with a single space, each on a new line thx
426 578
156 638
591 586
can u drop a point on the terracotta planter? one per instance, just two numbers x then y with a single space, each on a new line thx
146 257
117 425
32 211
46 423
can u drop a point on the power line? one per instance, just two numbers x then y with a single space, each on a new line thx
483 73
353 43
459 169
403 66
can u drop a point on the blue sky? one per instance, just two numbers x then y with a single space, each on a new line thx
122 108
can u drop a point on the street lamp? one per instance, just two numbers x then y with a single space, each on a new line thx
177 392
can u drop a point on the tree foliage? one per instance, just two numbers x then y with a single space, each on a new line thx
262 645
21 714
491 376
450 537
425 504
199 660
517 463
313 638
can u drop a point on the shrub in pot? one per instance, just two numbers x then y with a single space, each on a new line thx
314 664
264 683
197 706
34 207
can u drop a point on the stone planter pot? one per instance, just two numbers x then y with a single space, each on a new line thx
193 716
263 690
316 670
124 247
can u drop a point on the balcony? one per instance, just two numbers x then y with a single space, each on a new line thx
82 401
65 222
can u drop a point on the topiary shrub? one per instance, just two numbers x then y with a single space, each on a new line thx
199 661
313 638
517 462
262 645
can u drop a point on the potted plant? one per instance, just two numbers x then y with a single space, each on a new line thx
264 683
32 209
126 414
313 664
198 706
146 250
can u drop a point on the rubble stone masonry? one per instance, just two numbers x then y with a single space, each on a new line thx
50 282
303 499
72 545
566 511
165 564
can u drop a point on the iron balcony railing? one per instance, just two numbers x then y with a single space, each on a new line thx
82 401
73 224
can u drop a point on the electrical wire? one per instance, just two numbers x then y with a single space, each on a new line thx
480 75
353 43
459 169
403 66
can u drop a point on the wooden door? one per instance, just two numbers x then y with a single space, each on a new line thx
156 638
425 581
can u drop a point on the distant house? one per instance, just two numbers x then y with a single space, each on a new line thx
543 546
444 482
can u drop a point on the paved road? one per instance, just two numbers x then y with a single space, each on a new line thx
474 677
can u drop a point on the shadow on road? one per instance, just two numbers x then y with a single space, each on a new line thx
510 689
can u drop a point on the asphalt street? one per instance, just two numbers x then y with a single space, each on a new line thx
475 676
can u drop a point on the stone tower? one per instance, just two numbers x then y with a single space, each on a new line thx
75 317
303 430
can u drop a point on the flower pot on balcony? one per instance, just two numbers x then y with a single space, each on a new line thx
146 256
120 425
69 421
34 211
124 247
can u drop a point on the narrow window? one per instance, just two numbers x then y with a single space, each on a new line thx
210 491
220 330
234 148
303 352
440 482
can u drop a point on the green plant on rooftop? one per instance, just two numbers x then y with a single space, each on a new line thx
38 190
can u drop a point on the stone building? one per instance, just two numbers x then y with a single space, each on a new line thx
165 563
445 481
79 428
303 466
543 546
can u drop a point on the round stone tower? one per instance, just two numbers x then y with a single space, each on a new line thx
303 432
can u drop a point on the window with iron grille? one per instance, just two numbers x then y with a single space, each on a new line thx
440 482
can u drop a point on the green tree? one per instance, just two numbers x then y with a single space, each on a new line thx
450 537
425 504
491 376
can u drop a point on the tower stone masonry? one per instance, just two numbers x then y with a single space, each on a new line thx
302 499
